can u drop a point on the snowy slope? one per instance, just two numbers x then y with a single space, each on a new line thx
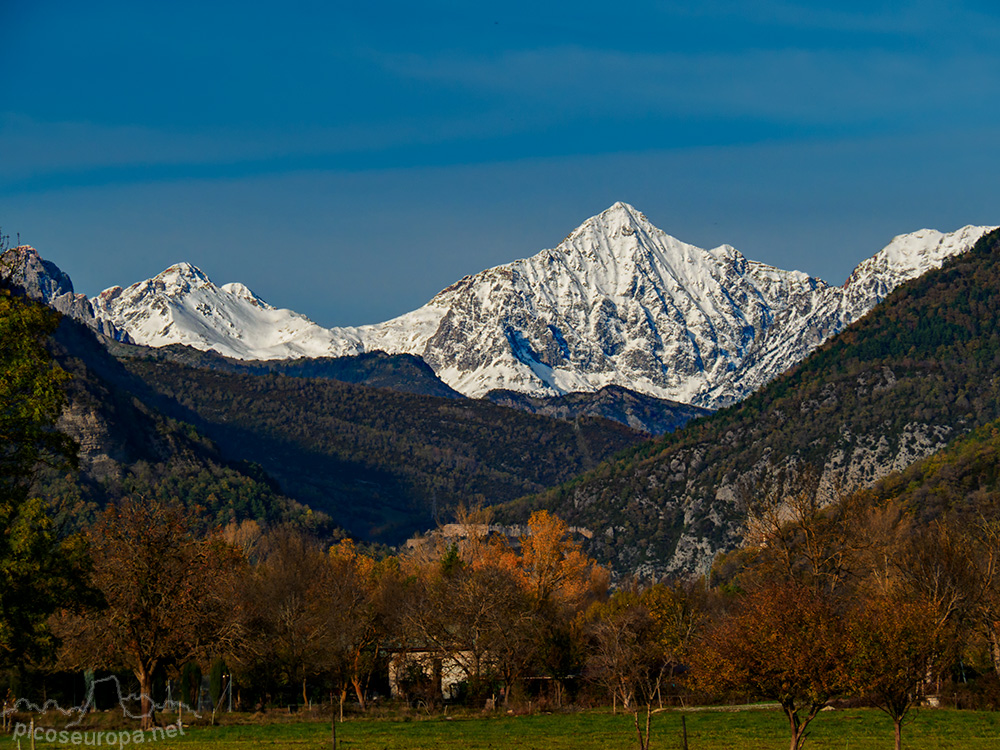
182 306
618 302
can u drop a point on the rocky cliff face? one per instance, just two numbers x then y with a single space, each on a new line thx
42 280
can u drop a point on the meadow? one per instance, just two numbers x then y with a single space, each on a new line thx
849 729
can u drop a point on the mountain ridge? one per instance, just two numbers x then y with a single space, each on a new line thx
618 302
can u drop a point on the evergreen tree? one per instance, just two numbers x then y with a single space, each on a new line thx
39 572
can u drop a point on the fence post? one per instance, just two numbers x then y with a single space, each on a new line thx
333 723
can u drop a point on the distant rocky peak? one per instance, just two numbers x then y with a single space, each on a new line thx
40 279
44 281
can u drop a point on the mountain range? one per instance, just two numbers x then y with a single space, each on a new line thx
618 302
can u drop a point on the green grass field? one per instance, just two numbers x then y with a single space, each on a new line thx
596 730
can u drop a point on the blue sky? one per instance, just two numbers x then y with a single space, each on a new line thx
350 160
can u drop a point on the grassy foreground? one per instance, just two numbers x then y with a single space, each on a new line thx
598 730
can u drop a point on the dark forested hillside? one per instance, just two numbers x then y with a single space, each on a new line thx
127 447
398 372
382 463
639 411
920 369
407 373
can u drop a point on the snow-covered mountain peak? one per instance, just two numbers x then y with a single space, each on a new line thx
618 232
619 248
182 305
182 276
621 218
619 301
906 257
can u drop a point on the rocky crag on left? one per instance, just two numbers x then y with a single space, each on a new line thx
43 280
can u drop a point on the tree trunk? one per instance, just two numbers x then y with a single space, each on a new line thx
898 726
358 689
146 705
797 724
305 696
794 727
643 741
994 633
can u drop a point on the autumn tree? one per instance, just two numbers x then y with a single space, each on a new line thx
636 641
498 609
985 542
362 596
896 641
167 594
555 569
479 616
622 649
784 642
793 531
937 563
289 620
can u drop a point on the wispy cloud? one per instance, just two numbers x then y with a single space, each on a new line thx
801 85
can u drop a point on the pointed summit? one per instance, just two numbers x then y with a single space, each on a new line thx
619 210
184 273
620 220
625 211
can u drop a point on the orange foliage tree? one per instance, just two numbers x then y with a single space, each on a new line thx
496 610
554 567
784 642
362 594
